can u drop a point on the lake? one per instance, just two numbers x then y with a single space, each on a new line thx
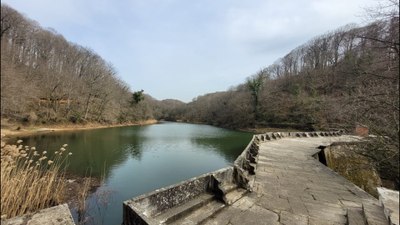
138 159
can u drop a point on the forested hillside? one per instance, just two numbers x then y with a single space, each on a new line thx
336 80
344 77
46 79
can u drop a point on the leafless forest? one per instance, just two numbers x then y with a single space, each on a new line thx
342 78
46 79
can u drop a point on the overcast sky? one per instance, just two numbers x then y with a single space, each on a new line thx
184 48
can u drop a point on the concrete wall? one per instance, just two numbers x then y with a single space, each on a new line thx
343 159
245 165
141 209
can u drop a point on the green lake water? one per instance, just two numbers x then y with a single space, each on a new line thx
139 159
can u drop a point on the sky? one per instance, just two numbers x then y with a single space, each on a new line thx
180 49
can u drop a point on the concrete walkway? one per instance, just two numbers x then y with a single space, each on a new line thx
292 187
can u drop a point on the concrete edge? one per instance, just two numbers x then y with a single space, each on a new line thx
246 163
389 200
143 208
59 214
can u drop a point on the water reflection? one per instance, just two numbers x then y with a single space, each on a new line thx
136 160
228 147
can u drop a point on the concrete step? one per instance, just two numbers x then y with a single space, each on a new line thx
175 213
355 216
234 195
374 214
201 214
231 192
227 187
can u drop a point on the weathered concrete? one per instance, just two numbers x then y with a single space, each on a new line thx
389 199
57 215
294 188
344 159
285 183
174 202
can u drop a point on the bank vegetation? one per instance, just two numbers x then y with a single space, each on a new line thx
30 179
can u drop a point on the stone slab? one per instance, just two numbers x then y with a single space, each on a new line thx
390 202
57 215
355 217
287 218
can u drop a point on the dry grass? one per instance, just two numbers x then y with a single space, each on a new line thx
83 217
29 180
83 193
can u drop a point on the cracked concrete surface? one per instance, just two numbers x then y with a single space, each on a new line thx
291 187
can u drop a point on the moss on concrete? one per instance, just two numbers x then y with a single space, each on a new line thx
357 168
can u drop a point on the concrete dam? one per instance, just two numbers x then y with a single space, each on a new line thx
277 179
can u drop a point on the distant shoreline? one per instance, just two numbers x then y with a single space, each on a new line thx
12 129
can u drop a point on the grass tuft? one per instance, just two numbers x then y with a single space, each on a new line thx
30 181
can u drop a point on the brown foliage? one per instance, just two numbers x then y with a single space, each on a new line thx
58 81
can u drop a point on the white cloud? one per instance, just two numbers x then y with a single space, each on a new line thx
52 13
272 21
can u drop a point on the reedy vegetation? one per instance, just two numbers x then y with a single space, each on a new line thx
30 181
